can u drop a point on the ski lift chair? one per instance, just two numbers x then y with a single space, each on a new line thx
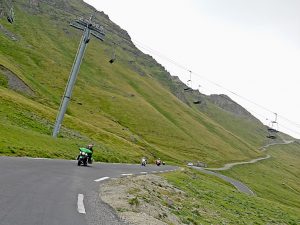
271 136
113 56
187 89
273 128
10 17
272 132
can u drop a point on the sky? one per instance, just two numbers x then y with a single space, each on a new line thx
246 49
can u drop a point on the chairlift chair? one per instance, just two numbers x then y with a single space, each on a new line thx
188 89
272 133
197 102
273 128
10 17
113 57
271 136
188 85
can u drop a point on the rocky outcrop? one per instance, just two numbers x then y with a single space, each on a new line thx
226 103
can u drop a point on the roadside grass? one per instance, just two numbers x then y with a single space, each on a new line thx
209 200
20 142
276 179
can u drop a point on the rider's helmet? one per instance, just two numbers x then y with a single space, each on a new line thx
90 146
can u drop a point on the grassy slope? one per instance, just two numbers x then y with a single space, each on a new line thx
275 181
247 128
128 114
277 178
209 200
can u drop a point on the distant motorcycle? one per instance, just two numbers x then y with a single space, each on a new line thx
144 162
84 157
158 162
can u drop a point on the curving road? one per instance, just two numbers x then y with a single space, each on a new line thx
229 165
237 184
58 192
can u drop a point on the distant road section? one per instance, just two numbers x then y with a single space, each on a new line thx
237 184
229 165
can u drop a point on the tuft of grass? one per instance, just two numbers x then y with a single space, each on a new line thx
134 201
3 81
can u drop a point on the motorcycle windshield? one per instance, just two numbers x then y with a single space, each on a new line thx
86 150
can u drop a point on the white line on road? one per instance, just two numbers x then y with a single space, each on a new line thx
143 172
80 205
126 174
101 179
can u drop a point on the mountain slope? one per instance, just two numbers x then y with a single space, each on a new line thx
129 109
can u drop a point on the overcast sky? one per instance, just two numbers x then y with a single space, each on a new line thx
250 47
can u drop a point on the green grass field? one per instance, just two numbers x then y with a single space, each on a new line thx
209 200
275 181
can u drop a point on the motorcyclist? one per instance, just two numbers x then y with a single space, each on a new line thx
90 155
158 162
144 161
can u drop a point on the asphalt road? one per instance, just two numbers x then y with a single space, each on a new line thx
58 192
237 184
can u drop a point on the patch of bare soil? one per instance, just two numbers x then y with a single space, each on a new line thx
15 83
146 199
8 33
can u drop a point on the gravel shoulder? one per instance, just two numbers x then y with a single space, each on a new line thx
145 199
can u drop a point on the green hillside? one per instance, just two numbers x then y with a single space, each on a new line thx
128 109
276 179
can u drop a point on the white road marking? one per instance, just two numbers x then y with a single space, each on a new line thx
80 205
143 172
126 174
101 179
161 171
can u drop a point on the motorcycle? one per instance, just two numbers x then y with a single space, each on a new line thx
84 157
144 162
158 162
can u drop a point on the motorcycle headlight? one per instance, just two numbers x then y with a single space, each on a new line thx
83 153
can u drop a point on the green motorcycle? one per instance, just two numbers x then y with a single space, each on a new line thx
84 157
